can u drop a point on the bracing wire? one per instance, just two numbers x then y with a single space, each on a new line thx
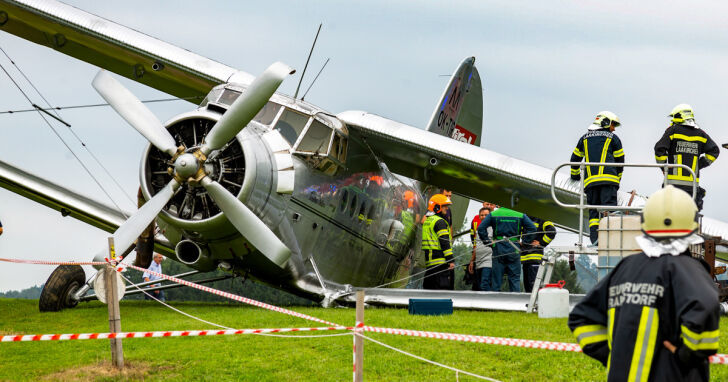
65 144
58 117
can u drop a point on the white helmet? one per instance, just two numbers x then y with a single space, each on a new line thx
681 113
605 119
669 213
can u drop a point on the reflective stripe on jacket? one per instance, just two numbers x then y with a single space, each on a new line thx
436 240
598 146
687 145
546 232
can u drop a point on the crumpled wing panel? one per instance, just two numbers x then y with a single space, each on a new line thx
115 48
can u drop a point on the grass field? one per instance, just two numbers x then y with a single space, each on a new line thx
265 358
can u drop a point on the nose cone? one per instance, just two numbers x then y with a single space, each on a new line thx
186 165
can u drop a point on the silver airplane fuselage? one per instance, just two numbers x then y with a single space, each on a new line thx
348 221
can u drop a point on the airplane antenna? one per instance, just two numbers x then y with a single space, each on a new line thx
315 78
307 60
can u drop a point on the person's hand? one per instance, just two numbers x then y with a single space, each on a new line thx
452 265
470 268
669 346
535 243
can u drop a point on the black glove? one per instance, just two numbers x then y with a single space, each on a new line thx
688 357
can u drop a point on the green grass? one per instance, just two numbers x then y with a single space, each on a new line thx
262 358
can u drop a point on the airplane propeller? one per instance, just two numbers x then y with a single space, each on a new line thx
189 166
134 112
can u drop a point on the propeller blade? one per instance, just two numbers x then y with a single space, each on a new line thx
134 112
246 107
125 235
247 223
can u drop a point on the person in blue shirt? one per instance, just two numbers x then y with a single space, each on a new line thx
155 266
508 227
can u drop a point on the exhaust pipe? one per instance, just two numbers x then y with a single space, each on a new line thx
192 254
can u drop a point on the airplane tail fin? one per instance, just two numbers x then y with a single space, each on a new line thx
459 115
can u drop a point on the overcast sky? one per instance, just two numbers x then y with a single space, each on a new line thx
547 67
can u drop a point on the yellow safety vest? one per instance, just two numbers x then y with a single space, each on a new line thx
431 241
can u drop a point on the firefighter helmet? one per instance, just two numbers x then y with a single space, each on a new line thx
669 213
437 201
681 113
605 119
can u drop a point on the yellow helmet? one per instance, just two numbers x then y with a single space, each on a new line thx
669 213
606 118
681 112
437 201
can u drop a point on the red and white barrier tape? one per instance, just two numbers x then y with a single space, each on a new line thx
19 261
563 346
180 281
176 333
233 296
531 344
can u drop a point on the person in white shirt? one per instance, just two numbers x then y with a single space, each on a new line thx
155 266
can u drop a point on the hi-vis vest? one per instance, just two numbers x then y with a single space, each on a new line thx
685 145
431 240
598 146
547 232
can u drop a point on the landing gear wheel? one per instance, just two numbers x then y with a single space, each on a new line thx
63 282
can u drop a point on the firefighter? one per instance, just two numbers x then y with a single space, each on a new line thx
439 261
508 227
601 183
532 254
684 142
655 316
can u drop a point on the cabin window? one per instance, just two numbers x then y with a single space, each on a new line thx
316 139
352 206
268 113
362 212
344 199
291 124
371 212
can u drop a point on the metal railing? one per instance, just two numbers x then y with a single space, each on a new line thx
582 169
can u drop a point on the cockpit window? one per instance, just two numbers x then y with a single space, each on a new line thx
229 96
268 113
212 96
290 125
316 139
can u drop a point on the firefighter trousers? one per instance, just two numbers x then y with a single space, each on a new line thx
605 195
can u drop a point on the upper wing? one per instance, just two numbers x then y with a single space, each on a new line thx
116 48
479 173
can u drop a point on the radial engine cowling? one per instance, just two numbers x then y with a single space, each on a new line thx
242 167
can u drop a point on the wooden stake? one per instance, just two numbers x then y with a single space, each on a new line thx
112 302
358 341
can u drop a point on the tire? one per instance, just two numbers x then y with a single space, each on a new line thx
63 282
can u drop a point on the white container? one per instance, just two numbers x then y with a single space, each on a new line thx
553 301
617 235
